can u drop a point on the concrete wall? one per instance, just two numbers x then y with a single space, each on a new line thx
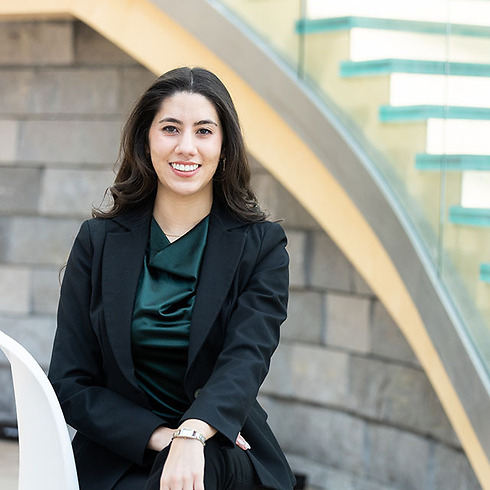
348 400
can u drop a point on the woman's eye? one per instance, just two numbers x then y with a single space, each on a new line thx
169 129
203 131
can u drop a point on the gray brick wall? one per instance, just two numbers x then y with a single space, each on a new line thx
64 94
346 396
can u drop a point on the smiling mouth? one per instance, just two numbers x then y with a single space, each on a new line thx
181 167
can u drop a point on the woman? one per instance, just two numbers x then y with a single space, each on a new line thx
171 305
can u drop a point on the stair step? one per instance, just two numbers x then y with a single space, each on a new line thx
457 137
313 26
420 83
424 161
388 66
485 272
475 187
368 38
422 10
388 113
469 216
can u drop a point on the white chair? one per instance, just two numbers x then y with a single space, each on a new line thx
46 458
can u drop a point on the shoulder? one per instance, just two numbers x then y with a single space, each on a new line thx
93 231
94 227
100 225
124 222
270 227
131 219
265 241
268 232
259 230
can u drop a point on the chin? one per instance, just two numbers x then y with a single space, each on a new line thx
187 192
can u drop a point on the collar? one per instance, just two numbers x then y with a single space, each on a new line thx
140 215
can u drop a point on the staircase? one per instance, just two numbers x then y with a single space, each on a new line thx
412 81
418 89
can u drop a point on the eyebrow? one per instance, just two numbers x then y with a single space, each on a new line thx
178 121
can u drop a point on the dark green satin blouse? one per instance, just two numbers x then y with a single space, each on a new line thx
162 316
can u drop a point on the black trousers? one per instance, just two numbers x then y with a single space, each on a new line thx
224 469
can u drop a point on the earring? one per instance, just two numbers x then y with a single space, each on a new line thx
223 162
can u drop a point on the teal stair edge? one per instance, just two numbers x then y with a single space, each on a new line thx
388 113
469 216
313 26
387 66
485 272
460 163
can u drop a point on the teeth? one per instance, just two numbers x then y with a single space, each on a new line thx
185 168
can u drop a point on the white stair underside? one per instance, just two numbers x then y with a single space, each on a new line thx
417 89
476 12
371 44
475 189
458 136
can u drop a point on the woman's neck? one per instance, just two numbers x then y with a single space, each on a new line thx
176 216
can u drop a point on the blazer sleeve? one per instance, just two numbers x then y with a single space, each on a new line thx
252 335
77 367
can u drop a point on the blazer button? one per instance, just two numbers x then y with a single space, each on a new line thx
197 392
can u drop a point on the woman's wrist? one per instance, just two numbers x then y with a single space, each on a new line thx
200 427
186 433
160 438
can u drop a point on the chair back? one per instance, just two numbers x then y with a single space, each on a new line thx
45 455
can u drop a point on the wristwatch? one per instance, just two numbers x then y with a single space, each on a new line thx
189 434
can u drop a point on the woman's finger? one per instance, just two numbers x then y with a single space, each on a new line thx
242 443
199 486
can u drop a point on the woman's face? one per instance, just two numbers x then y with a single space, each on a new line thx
185 140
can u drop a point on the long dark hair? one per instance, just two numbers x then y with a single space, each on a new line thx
136 180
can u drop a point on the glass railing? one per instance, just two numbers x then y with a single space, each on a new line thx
412 79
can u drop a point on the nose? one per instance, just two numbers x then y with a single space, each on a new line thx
186 144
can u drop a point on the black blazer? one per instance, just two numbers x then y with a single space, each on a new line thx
240 304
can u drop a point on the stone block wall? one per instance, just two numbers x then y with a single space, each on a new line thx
347 398
64 95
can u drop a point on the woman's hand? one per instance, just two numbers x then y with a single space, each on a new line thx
242 443
184 467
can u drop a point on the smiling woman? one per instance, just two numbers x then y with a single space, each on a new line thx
171 306
137 179
185 141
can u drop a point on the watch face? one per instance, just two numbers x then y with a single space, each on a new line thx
189 434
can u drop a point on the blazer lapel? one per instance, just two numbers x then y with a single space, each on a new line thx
225 241
122 262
